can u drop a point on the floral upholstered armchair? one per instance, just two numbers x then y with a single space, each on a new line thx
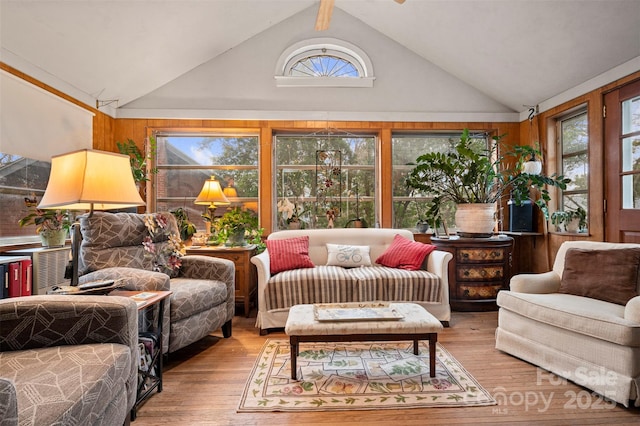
145 250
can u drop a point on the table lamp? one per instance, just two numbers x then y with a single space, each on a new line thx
212 195
230 192
89 180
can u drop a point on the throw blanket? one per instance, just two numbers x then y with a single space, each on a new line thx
334 284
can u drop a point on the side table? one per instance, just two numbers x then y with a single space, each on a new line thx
151 309
246 274
480 268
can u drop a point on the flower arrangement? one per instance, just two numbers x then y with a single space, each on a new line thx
166 256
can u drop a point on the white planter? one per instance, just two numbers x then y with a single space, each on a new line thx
475 219
573 226
51 238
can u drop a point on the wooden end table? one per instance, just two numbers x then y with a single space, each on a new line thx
246 274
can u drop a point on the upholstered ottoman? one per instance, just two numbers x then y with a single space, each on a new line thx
413 322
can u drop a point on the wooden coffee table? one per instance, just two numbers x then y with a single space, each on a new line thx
416 324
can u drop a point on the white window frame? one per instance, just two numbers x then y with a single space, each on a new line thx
327 46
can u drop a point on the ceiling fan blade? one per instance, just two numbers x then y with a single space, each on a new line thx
324 15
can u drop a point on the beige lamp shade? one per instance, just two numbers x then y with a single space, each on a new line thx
91 180
230 192
211 194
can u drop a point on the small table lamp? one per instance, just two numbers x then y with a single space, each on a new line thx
89 180
212 195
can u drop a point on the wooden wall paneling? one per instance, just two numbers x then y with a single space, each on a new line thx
385 191
265 177
103 128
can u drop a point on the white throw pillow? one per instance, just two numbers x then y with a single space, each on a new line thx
348 256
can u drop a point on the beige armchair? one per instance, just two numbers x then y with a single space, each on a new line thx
576 332
203 297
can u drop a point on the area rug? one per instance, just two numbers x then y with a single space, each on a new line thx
357 376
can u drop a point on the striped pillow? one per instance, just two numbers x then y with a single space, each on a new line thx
291 253
405 254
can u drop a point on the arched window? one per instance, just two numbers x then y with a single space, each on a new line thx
324 63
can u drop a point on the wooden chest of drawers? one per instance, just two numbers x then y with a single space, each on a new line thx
480 268
246 275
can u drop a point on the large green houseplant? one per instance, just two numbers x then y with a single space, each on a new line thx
470 177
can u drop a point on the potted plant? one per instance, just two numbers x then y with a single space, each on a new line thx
52 225
474 180
464 176
186 227
527 174
291 213
232 227
139 161
570 220
358 222
425 222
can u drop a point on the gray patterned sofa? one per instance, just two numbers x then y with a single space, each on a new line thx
67 360
203 297
323 283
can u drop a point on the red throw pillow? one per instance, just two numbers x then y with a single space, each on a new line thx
405 254
291 253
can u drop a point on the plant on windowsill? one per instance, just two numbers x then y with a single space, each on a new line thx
239 227
358 222
570 220
52 225
291 213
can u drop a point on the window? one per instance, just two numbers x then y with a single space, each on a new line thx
20 178
325 171
323 65
324 62
410 206
631 153
185 161
574 161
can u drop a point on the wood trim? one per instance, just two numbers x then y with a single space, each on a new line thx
385 165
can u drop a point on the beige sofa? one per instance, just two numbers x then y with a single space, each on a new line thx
591 342
68 360
374 283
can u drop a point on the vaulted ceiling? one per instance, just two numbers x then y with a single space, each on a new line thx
506 55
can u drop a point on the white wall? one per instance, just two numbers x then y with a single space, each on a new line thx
240 84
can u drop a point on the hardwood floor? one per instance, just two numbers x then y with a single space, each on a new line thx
203 384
